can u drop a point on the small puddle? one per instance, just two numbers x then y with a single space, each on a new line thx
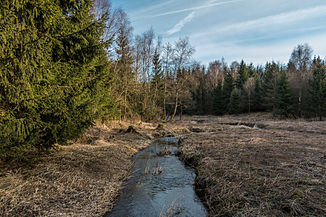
159 186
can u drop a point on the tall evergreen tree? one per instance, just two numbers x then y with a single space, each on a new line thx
242 76
54 78
283 100
200 94
234 105
218 104
157 83
227 88
257 97
269 85
318 90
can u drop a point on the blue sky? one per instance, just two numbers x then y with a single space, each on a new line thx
254 30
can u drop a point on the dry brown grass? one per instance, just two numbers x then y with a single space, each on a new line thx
279 170
246 166
82 179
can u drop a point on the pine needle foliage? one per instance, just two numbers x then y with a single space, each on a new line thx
157 83
283 99
269 86
234 105
242 75
228 87
218 105
54 74
318 90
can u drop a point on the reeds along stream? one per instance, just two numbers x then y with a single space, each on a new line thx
160 185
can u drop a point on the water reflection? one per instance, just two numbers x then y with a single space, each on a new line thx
159 186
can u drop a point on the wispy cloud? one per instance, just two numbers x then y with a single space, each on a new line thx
181 24
208 4
151 8
282 18
225 28
269 23
257 54
187 19
231 41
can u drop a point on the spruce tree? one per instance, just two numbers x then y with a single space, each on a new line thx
318 90
218 104
269 85
157 81
234 105
198 94
242 75
227 88
283 99
257 97
54 79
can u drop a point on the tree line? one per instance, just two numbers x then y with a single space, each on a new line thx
65 64
164 80
295 90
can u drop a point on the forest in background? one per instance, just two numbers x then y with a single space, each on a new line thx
65 64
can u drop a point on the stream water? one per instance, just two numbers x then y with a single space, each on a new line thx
159 186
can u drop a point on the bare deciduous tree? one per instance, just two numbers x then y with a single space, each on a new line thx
299 72
182 54
168 54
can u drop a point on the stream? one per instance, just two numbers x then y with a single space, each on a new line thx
159 185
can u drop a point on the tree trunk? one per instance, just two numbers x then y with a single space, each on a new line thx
125 98
125 106
120 112
164 101
180 110
175 107
300 104
249 103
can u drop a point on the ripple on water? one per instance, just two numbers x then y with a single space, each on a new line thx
171 192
